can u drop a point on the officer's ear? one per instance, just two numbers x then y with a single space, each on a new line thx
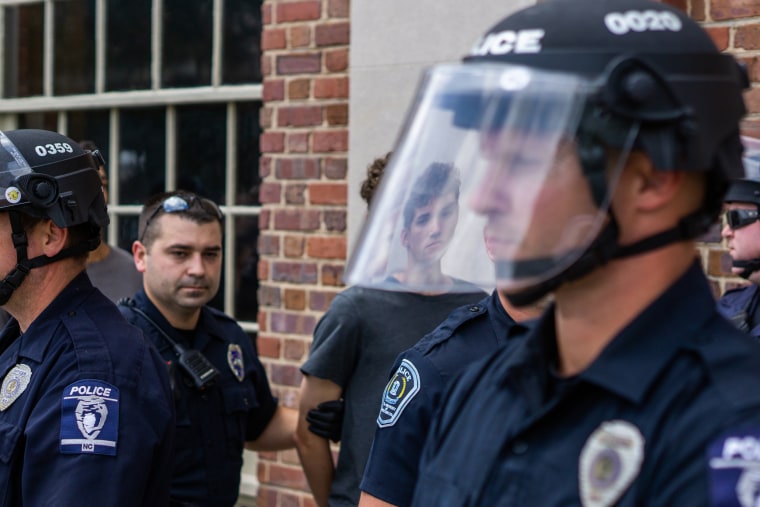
139 252
650 189
47 238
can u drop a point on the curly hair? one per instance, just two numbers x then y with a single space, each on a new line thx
374 175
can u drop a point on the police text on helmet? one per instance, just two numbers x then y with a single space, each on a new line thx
509 41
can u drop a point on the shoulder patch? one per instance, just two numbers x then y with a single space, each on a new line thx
734 461
89 418
401 388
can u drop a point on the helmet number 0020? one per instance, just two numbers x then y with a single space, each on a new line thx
621 23
52 149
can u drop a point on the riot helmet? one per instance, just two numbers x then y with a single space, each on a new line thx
745 191
46 175
542 116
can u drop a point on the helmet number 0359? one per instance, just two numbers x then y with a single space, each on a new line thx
621 23
52 149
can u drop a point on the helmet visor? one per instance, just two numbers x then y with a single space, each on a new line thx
485 184
12 166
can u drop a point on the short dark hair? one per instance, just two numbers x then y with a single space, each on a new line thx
207 211
438 179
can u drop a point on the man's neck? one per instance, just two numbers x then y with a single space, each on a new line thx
100 253
591 311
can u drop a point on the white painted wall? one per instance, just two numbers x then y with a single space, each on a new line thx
392 41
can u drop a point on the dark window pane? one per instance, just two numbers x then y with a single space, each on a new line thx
241 43
128 49
91 125
127 231
187 43
74 47
23 50
248 131
246 261
201 143
45 120
142 159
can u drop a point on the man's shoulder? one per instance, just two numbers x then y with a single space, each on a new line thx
460 323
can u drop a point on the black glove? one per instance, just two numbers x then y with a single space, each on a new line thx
326 420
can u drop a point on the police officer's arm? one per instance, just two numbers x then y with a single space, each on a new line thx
279 433
367 500
314 450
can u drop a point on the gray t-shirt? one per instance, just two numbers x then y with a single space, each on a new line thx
355 345
116 275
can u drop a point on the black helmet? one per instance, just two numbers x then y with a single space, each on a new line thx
746 190
573 86
46 175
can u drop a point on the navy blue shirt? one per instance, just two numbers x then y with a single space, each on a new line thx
740 306
85 409
668 414
213 424
414 392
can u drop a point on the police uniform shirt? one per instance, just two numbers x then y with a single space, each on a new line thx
668 414
212 424
740 306
86 414
414 392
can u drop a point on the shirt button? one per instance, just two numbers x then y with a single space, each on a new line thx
475 308
519 447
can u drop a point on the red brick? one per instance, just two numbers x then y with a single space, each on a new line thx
332 275
265 117
294 350
296 220
294 272
272 142
332 34
297 142
266 65
336 168
265 166
268 347
336 114
299 116
747 37
261 319
291 477
338 8
262 270
273 89
328 193
330 141
293 246
719 263
299 89
336 60
751 128
299 64
319 301
752 100
331 88
295 299
273 38
752 63
296 169
298 11
299 36
731 9
335 220
269 296
698 10
264 217
326 247
295 194
270 193
268 244
678 4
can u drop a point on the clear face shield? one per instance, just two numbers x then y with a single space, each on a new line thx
13 165
485 185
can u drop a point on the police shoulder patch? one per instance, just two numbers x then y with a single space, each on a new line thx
401 388
89 418
734 461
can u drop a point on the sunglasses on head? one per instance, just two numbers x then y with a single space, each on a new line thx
178 203
738 218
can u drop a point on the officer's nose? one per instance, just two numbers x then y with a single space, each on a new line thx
727 232
195 265
491 196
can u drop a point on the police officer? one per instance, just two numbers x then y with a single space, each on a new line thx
85 404
222 396
470 333
742 232
601 136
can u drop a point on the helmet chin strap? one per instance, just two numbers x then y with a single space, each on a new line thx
747 267
16 276
603 249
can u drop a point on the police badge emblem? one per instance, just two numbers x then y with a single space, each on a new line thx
609 462
14 384
401 388
235 360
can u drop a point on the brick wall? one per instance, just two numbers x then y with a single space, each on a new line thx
304 189
304 194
